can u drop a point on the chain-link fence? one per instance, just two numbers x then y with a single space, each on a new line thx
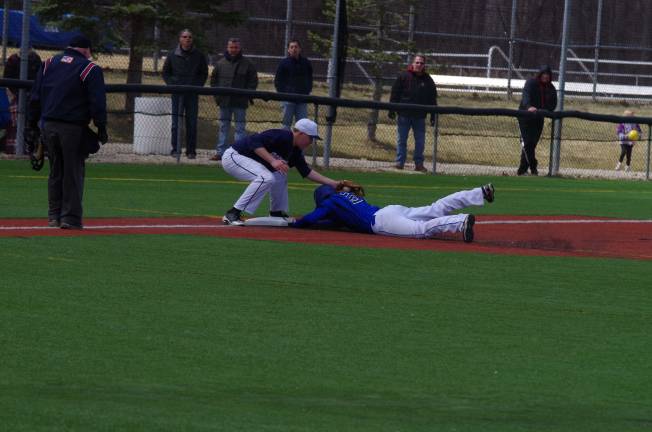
463 140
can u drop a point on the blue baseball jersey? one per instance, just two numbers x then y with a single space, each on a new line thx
344 209
279 143
69 88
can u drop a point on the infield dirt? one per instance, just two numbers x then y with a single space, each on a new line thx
511 235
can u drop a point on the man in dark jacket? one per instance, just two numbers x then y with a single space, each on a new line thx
232 70
68 93
294 75
538 93
413 86
185 65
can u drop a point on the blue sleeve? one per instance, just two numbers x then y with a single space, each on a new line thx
316 216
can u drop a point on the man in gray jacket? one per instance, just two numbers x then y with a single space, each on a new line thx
185 65
236 71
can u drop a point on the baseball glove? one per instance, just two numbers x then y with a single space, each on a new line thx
35 147
349 186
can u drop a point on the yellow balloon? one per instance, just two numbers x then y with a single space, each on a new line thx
633 135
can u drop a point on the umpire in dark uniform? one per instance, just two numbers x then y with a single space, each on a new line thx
68 92
538 93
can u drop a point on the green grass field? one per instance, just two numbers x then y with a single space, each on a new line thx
190 333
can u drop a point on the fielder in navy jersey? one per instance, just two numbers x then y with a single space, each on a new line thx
264 159
348 210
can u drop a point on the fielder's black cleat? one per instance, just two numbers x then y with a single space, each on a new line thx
488 192
279 213
232 217
467 229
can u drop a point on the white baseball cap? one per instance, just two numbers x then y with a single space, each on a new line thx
308 127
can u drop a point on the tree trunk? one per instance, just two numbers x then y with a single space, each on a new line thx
372 125
135 69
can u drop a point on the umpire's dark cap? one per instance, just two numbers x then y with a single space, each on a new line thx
80 41
322 193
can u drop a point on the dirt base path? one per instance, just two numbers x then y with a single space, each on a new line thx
515 235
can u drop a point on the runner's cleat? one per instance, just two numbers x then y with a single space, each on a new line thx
488 192
467 229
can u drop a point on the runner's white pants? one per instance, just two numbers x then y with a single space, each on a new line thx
428 221
261 179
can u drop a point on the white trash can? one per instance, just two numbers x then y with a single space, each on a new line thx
152 125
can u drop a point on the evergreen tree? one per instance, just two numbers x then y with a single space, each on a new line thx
379 45
125 23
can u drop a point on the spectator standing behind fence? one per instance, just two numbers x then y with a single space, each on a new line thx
628 134
236 71
538 93
12 70
294 75
68 92
185 65
413 86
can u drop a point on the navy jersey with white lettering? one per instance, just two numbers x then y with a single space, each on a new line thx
342 208
278 142
69 88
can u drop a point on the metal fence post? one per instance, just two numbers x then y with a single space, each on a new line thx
552 146
647 159
288 25
512 32
555 153
598 29
411 26
155 56
435 142
180 124
5 32
562 85
314 142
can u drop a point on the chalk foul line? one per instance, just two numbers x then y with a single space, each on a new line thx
219 226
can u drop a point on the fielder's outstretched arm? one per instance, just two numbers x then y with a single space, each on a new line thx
318 178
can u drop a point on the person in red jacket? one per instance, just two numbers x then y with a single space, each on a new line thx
413 86
538 93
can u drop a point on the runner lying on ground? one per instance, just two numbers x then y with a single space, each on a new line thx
345 209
